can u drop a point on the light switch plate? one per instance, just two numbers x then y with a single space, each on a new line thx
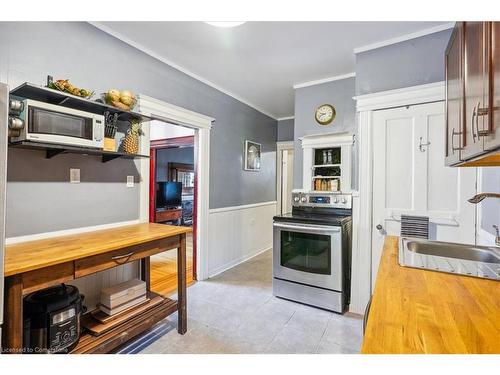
74 175
130 181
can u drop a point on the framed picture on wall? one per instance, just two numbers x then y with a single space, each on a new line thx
252 156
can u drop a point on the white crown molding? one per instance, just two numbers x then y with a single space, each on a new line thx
404 38
430 92
324 80
286 118
156 56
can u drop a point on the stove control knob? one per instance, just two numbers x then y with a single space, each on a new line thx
303 199
335 200
296 199
344 200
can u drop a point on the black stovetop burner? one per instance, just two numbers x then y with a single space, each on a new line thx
319 216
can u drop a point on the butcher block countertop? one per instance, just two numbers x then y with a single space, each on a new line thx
420 311
32 255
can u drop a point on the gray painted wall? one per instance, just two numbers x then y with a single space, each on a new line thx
40 198
409 63
307 99
95 60
285 130
172 155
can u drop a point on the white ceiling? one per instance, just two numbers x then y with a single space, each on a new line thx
259 62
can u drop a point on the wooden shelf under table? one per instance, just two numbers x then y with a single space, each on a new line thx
117 336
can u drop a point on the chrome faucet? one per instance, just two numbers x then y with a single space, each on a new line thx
497 238
479 197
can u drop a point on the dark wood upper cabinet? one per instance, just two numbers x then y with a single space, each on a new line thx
476 87
492 140
454 96
472 93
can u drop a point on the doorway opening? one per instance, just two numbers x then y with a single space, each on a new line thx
172 198
284 176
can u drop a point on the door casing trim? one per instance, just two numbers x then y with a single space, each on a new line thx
361 285
280 146
169 113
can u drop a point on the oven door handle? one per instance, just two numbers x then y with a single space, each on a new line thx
309 228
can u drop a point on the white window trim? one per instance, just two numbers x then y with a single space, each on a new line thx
202 124
361 286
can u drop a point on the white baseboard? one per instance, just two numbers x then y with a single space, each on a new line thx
234 263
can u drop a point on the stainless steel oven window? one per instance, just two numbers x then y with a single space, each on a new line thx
331 281
43 121
307 252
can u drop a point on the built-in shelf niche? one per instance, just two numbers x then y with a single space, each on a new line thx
327 169
327 162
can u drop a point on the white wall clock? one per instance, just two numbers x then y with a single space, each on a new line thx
325 114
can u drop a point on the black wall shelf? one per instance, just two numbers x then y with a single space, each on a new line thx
44 94
52 150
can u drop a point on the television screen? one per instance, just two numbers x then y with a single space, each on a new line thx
168 194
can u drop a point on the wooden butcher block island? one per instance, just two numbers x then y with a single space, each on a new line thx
421 311
34 265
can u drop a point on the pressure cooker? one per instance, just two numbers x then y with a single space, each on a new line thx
52 319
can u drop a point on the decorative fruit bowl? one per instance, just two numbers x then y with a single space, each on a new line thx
123 100
65 86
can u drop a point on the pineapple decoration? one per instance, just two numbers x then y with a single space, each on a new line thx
131 141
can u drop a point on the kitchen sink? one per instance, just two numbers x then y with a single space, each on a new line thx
471 260
454 250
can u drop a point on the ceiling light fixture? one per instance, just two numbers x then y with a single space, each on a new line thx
226 23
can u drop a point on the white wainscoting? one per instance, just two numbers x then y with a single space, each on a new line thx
238 233
90 286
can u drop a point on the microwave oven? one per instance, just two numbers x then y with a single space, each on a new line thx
49 123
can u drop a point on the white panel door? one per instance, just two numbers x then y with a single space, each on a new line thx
410 177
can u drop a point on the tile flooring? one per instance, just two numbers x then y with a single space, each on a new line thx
235 312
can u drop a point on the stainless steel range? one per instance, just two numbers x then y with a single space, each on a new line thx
312 250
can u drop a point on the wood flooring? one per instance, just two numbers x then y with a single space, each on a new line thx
164 269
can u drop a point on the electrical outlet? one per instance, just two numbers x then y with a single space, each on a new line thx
74 175
130 181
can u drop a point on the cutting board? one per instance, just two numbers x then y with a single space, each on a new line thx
97 322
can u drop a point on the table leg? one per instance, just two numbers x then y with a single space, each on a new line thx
12 340
146 272
181 285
